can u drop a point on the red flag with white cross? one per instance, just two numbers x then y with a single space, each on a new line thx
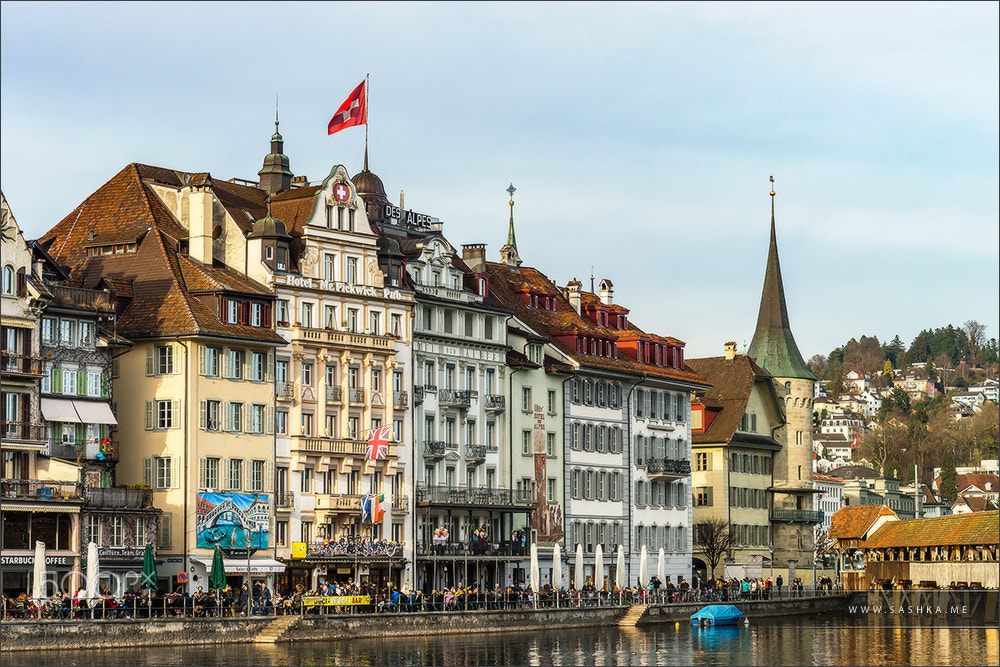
354 111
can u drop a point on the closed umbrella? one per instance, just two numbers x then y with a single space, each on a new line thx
661 569
217 577
93 574
148 568
556 567
643 567
578 570
599 567
38 584
535 584
620 568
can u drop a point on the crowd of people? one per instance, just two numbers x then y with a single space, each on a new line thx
259 599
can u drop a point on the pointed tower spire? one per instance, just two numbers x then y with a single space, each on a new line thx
275 175
508 253
773 346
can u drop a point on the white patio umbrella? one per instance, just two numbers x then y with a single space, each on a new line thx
661 569
599 567
556 567
93 574
578 568
38 584
643 567
536 585
620 577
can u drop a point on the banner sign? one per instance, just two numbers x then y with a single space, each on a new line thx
335 600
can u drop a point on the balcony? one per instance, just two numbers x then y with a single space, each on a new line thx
494 403
21 364
434 450
118 498
81 298
475 452
418 395
667 468
480 497
88 451
338 503
458 399
334 395
284 391
284 501
23 431
342 339
797 516
356 395
336 446
355 550
400 400
465 550
400 504
40 489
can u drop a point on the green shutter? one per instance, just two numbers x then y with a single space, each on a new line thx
105 385
81 383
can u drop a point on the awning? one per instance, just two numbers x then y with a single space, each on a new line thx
59 410
239 566
19 322
42 507
93 412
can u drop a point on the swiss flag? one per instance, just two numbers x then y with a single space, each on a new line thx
354 111
855 443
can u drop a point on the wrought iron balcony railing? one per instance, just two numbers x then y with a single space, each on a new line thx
447 495
400 400
118 498
333 395
797 516
475 452
434 449
23 431
668 467
40 489
418 395
21 364
494 402
284 390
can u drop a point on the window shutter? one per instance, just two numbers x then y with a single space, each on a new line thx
202 473
175 478
225 362
268 477
81 383
269 368
225 421
105 385
269 420
175 410
151 360
150 415
203 414
245 476
225 464
147 471
201 360
245 415
57 380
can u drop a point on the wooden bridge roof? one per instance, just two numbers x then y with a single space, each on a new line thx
977 528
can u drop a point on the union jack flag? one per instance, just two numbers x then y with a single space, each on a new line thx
378 444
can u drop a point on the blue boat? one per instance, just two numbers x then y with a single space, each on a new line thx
717 614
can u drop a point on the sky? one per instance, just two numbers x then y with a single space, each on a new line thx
640 138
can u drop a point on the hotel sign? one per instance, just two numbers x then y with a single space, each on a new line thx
408 218
343 288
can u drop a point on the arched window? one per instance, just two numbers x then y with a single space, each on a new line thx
8 279
788 387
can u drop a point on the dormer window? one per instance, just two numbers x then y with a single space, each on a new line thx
269 253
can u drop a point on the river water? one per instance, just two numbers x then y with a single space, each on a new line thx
824 640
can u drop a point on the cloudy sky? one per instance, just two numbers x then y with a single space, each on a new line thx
640 138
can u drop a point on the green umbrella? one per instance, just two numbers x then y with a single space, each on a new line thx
148 568
217 577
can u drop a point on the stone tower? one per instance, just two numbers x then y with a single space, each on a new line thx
773 348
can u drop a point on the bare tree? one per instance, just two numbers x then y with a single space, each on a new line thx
714 539
976 333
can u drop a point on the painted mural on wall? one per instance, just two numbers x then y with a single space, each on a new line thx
547 517
227 519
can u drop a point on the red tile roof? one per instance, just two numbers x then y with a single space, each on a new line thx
978 528
853 521
727 397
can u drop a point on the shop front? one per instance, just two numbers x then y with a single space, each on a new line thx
17 572
238 571
120 570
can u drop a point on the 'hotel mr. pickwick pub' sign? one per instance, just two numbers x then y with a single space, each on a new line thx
344 288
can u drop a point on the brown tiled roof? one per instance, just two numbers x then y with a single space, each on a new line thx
240 199
504 282
159 281
853 521
818 477
974 503
731 384
977 528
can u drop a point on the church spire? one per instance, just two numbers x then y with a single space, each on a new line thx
275 175
508 253
773 346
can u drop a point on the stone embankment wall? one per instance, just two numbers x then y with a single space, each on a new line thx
62 635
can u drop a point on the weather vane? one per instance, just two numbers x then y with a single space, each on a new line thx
772 184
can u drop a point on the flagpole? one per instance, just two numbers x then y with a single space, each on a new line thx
367 99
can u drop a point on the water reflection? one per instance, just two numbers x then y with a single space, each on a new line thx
821 640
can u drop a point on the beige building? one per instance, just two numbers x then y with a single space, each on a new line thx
733 455
195 394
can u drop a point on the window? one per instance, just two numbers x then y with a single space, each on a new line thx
550 489
306 531
376 379
164 356
396 326
375 323
307 374
352 320
281 533
164 472
8 279
86 331
258 366
48 330
552 402
305 480
526 399
256 314
93 384
329 264
209 415
352 270
281 422
703 496
210 473
307 423
256 475
330 317
307 315
282 312
210 365
161 415
488 327
525 443
702 461
232 311
256 418
67 332
353 426
235 416
164 531
397 430
235 364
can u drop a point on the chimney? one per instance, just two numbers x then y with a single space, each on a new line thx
573 289
607 292
200 225
474 254
730 350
